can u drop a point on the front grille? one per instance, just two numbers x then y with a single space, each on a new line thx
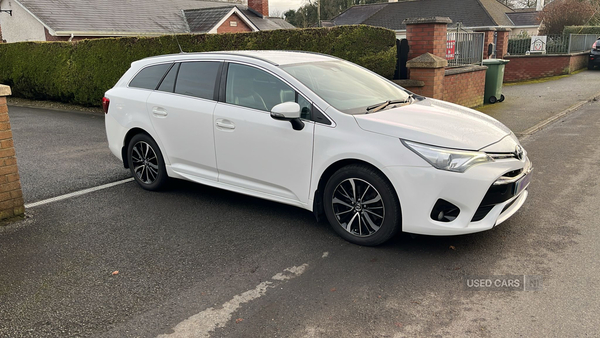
508 205
481 212
513 173
496 194
502 156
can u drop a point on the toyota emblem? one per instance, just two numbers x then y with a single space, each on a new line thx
519 152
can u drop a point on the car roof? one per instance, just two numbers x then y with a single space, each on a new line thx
275 57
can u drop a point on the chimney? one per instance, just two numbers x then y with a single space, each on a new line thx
539 5
260 7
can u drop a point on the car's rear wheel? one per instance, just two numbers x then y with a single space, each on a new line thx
146 162
361 205
590 66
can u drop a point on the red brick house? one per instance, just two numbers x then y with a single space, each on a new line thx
66 20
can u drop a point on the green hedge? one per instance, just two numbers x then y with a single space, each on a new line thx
81 72
581 30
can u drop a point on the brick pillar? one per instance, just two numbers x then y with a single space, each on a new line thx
431 70
488 37
501 42
11 196
427 35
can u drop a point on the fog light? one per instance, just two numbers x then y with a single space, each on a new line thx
444 211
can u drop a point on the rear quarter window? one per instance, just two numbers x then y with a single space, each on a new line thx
150 77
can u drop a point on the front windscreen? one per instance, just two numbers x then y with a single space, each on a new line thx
345 86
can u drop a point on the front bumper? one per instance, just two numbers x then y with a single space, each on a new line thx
481 203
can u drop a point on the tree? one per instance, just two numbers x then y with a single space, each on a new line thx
560 13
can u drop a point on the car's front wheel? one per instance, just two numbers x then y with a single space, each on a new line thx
146 162
361 205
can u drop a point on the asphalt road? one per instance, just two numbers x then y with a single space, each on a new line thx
196 261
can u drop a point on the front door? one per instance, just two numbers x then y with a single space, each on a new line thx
253 150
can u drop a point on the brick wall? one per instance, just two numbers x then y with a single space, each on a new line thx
11 196
527 67
488 37
426 38
433 79
465 85
501 43
578 61
226 27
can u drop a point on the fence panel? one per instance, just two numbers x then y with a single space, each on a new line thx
555 44
464 48
581 42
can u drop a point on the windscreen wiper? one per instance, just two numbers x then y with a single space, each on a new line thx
377 107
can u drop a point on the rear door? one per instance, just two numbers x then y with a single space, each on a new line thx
181 111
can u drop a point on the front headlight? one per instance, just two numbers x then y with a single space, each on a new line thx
448 159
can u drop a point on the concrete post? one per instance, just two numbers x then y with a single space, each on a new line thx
430 69
11 196
427 35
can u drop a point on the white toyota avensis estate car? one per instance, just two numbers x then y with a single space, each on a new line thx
319 133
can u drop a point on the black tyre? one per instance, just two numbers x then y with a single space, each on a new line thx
501 98
146 162
362 206
492 99
590 66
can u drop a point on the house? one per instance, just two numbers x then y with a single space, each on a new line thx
526 22
66 20
470 14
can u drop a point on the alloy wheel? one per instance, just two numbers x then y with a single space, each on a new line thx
145 162
358 207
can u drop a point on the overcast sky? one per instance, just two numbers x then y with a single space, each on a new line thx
281 6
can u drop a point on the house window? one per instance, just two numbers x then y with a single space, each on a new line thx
233 23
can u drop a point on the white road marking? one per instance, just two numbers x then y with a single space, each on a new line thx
290 273
76 193
201 324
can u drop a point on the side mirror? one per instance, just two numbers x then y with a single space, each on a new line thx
288 111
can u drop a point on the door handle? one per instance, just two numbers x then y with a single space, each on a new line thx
159 112
225 124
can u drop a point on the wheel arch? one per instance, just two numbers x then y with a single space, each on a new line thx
130 134
318 209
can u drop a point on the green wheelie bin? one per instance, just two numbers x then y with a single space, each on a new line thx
494 76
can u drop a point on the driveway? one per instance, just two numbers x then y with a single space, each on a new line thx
60 152
196 261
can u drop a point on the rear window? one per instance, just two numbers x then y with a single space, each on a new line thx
149 77
197 79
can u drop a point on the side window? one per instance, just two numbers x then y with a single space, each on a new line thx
149 77
197 79
305 108
254 88
168 83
